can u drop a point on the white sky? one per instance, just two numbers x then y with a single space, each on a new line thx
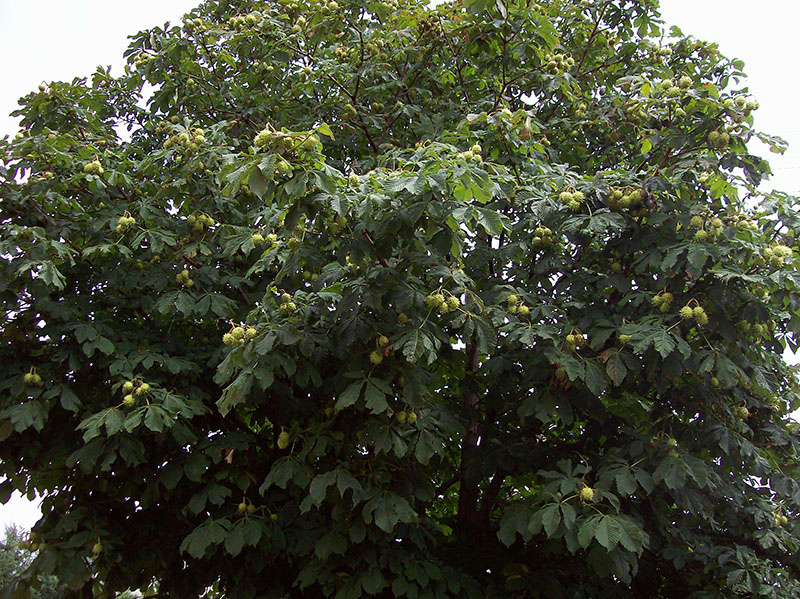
46 40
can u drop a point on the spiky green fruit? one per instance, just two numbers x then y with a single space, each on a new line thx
700 315
376 357
586 494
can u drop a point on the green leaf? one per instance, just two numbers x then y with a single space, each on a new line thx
234 540
350 395
608 532
551 518
374 398
587 529
595 378
615 367
257 182
114 421
324 129
331 543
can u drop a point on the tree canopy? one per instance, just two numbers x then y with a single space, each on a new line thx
348 299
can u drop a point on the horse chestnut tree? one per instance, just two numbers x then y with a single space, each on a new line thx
484 299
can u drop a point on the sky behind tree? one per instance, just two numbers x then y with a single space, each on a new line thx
46 40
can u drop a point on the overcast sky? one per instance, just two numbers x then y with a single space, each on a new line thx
46 40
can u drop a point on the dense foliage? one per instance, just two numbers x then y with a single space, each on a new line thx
339 299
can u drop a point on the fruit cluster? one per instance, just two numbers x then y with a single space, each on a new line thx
430 26
287 306
406 417
741 412
472 155
719 139
542 237
672 88
780 519
707 230
32 379
284 141
558 64
243 21
437 301
93 168
332 6
775 255
269 239
142 58
636 113
189 141
283 440
133 389
663 301
575 341
184 279
516 306
246 508
382 343
239 334
740 107
697 313
760 330
571 199
194 25
745 223
200 221
43 176
586 494
625 198
124 222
